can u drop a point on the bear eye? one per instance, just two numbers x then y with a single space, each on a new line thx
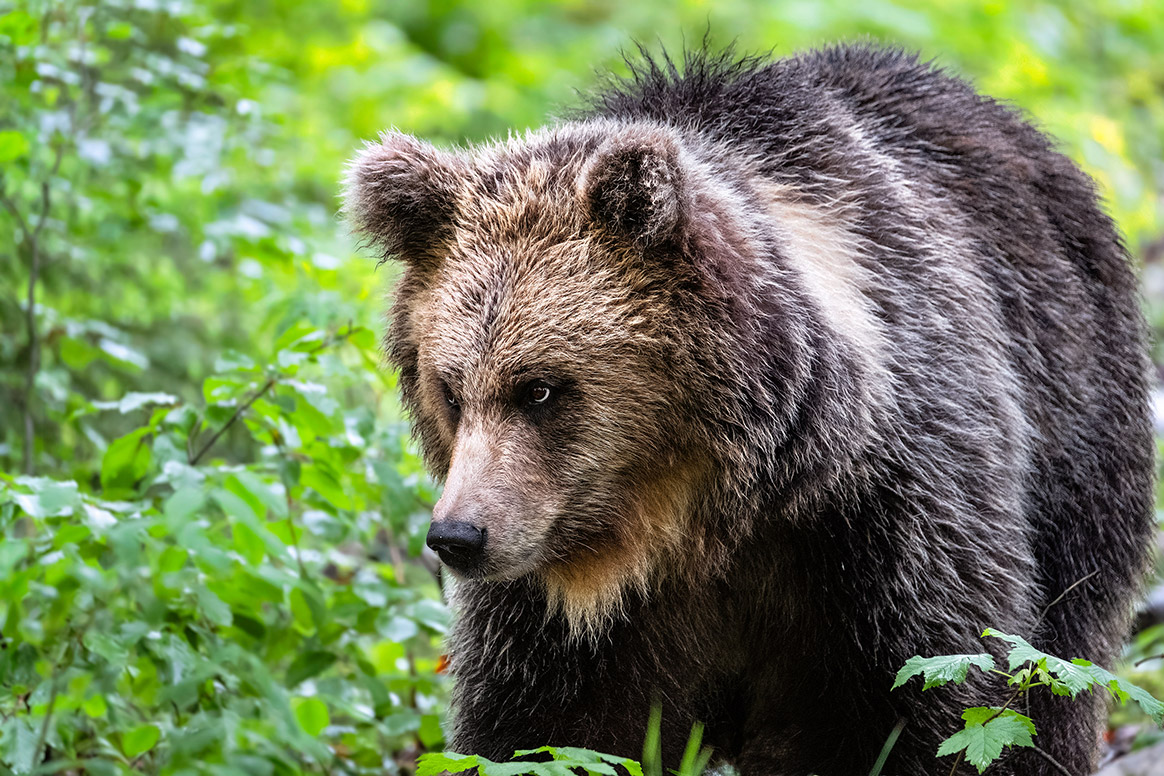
538 392
450 397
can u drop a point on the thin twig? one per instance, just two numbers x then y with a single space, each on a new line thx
1058 765
1143 660
32 245
327 343
230 422
1063 595
55 688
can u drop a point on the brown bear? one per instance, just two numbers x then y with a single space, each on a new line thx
753 380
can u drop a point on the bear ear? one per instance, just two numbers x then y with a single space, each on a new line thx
632 188
400 194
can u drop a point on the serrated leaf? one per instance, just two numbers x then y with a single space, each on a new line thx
986 734
939 670
1124 690
514 769
1073 678
434 763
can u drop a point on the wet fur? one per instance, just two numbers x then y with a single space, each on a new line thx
858 370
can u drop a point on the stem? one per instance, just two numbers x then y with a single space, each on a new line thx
1143 660
42 737
31 244
1058 765
1061 596
957 761
237 414
327 343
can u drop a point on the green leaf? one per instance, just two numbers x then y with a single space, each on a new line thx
139 740
48 497
95 706
308 665
301 612
311 714
1124 690
987 731
939 670
135 401
434 763
13 145
126 460
172 559
213 607
323 482
180 506
430 732
1074 679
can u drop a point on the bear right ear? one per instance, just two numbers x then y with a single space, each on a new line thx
400 194
633 187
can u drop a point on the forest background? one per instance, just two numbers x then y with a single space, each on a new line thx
211 513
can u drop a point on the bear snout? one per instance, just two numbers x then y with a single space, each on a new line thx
460 545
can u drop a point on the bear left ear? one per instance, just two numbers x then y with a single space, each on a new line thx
632 187
401 193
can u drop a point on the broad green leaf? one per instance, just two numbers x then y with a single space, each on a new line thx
172 559
301 612
13 145
939 670
95 706
139 740
126 460
180 506
430 732
311 714
309 665
48 498
213 607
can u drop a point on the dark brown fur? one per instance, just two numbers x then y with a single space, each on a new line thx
846 366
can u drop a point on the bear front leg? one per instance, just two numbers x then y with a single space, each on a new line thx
522 680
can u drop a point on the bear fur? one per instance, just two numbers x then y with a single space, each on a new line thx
750 382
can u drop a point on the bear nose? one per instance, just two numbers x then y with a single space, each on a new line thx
458 544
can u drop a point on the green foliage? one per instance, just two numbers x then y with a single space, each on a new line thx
565 761
939 670
197 616
988 730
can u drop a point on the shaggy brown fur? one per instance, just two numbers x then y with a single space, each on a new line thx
749 384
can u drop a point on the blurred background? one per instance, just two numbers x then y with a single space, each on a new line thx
212 515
